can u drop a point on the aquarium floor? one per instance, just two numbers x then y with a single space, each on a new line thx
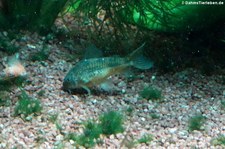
185 94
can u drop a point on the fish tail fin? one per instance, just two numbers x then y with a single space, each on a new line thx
138 60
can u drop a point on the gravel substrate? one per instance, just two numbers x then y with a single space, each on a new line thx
185 94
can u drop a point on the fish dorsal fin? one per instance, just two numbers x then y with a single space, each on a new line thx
92 52
137 51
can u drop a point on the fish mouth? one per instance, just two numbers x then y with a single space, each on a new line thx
66 86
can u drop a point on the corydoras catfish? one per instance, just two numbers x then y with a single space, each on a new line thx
92 72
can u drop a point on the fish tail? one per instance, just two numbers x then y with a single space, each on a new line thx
138 60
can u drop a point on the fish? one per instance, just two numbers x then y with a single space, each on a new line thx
14 67
14 73
91 72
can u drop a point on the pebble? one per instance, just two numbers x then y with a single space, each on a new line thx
173 130
123 91
59 137
164 110
72 142
183 134
145 110
143 119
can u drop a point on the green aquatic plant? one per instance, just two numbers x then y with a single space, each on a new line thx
220 140
8 47
130 110
196 122
89 137
104 25
92 129
26 106
6 43
41 55
4 98
111 122
151 93
85 141
70 136
223 80
41 93
59 145
222 102
155 116
6 84
31 15
146 138
40 139
54 119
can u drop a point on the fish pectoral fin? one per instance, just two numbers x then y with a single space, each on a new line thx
108 86
87 89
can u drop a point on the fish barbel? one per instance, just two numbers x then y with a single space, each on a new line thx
93 71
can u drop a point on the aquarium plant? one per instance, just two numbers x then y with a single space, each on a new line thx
151 93
196 122
31 15
53 118
222 102
89 137
41 93
169 15
6 45
92 129
154 115
41 55
90 134
177 15
146 138
111 122
4 99
6 84
129 110
220 140
26 106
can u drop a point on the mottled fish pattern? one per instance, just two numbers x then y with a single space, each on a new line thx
94 71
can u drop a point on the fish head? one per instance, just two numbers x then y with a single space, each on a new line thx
70 82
